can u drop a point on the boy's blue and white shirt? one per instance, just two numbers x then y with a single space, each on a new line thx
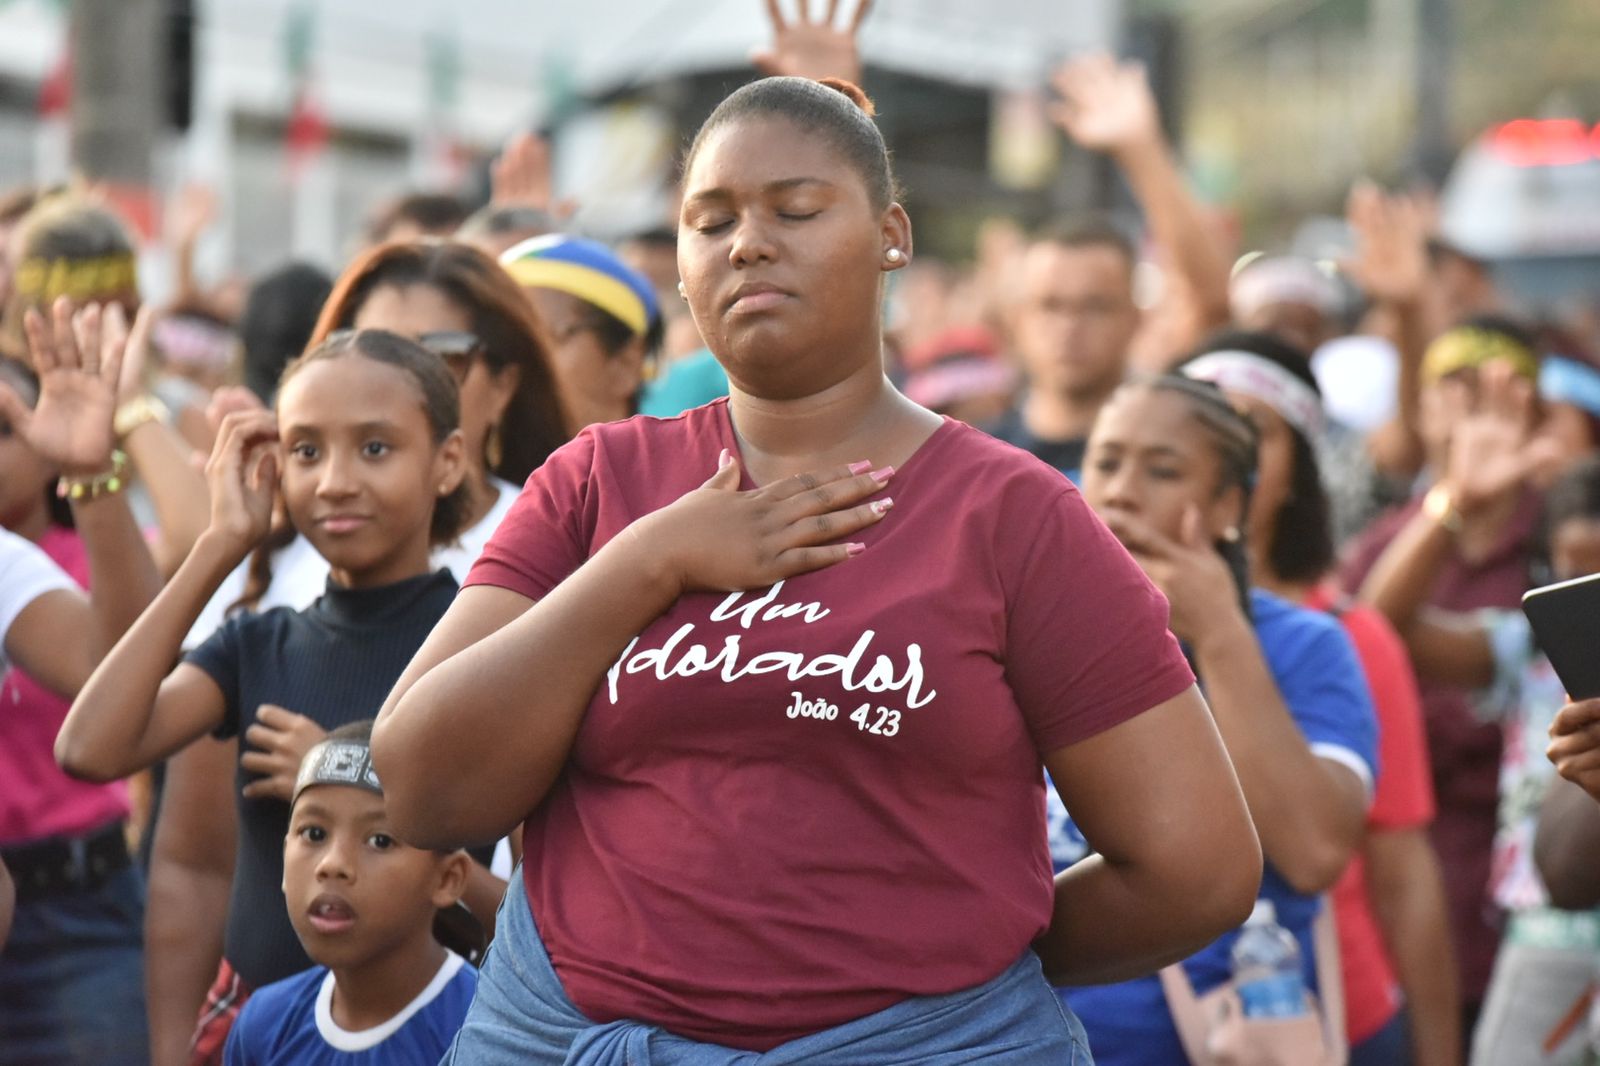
291 1021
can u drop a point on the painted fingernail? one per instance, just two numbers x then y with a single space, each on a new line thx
854 549
860 468
882 506
882 476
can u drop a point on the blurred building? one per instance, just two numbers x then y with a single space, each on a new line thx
1289 100
305 113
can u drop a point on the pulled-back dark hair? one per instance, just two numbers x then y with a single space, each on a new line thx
832 107
441 401
1302 547
1237 446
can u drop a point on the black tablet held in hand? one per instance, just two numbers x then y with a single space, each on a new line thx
1566 624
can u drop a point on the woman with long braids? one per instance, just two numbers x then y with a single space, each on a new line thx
1169 468
772 684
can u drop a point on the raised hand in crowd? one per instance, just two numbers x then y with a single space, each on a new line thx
1390 265
521 176
1390 262
1575 744
1492 451
813 48
78 359
1495 447
1108 106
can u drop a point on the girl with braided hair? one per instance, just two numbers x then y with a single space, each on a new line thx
1170 467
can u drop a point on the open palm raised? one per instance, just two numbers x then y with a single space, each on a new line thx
78 359
813 49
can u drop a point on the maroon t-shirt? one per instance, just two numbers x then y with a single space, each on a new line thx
791 807
1464 752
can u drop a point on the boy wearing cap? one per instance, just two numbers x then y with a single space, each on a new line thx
364 906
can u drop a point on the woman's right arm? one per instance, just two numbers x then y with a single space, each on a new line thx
502 683
1178 862
191 876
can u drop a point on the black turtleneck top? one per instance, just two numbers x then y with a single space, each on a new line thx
333 662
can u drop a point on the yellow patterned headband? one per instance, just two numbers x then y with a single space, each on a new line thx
1469 347
41 281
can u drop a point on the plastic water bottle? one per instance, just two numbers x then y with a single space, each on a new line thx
1266 967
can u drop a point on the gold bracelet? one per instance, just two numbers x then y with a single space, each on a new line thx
136 412
105 483
1440 506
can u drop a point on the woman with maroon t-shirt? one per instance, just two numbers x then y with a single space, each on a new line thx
777 734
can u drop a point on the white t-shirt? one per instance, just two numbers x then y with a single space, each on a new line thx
26 573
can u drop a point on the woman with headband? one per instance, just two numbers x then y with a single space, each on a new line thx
1394 941
602 318
1170 468
1484 564
1544 968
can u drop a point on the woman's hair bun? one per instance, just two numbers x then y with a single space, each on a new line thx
853 91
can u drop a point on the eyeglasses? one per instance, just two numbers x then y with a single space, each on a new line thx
456 347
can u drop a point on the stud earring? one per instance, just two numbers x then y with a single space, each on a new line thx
683 293
894 255
1231 534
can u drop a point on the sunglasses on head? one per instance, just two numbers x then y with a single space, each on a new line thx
456 347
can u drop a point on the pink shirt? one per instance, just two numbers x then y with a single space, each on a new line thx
794 806
36 798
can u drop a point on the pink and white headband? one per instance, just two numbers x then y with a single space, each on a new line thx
1261 379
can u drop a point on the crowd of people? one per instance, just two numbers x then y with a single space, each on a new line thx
749 642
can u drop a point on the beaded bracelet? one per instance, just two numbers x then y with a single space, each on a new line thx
94 486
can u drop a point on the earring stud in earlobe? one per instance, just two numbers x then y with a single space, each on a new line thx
1231 534
894 255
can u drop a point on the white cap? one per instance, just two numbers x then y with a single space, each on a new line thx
1264 913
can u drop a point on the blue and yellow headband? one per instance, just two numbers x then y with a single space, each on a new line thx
588 270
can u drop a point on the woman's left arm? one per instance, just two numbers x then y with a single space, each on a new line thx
1177 861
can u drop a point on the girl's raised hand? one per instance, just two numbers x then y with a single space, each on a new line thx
719 539
243 477
78 360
